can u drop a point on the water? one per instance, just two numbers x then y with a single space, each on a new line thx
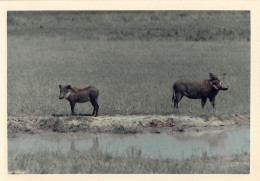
172 145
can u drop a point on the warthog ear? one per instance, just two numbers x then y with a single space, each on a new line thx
212 76
68 86
60 86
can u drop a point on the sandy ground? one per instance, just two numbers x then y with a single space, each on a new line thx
121 124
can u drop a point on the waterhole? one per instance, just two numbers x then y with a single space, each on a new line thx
172 145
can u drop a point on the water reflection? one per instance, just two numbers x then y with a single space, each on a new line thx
165 145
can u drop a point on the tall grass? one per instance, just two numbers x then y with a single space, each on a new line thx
134 77
129 25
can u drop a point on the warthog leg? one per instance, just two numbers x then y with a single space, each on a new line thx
203 101
72 105
95 106
178 97
212 101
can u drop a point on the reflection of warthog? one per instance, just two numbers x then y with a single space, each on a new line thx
80 95
214 138
95 146
199 89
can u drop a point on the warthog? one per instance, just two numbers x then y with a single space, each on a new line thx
199 89
80 95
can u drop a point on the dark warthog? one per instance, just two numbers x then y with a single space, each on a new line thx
80 95
199 89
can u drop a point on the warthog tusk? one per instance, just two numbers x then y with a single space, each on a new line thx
68 94
213 85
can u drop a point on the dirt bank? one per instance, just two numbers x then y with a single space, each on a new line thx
121 124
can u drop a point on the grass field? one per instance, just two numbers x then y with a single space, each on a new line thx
133 76
129 25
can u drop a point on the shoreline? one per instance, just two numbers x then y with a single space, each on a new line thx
121 124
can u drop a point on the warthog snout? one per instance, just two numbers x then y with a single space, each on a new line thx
219 82
224 88
224 85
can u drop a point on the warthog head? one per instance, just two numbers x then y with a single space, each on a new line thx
219 82
64 91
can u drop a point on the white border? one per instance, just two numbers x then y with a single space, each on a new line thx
252 5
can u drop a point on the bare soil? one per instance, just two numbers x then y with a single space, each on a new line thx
121 124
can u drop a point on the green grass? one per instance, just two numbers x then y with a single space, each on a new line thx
94 161
129 25
134 77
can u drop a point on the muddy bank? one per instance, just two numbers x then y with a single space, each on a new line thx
121 124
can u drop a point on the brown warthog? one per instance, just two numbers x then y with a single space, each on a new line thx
80 95
199 89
